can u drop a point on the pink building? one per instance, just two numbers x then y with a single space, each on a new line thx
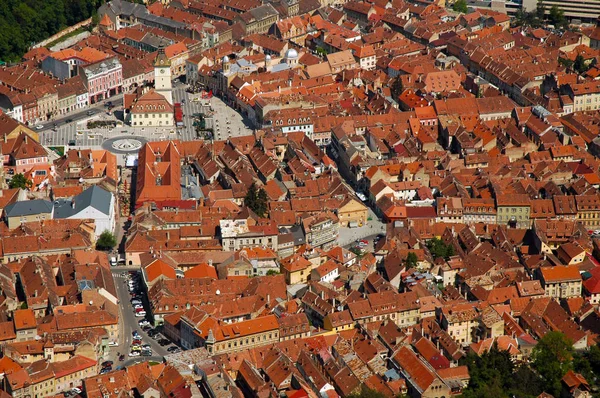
103 79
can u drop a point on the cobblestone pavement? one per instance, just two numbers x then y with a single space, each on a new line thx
347 236
225 122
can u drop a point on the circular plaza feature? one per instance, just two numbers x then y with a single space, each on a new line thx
124 145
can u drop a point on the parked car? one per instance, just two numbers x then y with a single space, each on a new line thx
107 363
164 342
146 346
143 322
122 357
135 333
136 347
147 353
135 301
134 354
173 348
138 306
76 390
39 127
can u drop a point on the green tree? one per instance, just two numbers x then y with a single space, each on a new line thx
397 88
490 374
20 181
438 248
366 392
579 65
540 11
557 17
26 22
262 201
321 51
567 63
106 241
257 199
411 260
552 358
460 6
272 272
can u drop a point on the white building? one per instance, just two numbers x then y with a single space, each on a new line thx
162 76
94 203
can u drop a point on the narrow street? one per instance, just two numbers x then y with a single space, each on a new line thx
129 323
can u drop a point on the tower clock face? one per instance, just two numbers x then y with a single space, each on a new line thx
162 71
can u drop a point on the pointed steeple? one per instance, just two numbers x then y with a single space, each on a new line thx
161 58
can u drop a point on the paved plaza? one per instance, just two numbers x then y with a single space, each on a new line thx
224 121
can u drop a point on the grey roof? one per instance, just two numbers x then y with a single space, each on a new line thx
28 208
279 67
95 197
152 19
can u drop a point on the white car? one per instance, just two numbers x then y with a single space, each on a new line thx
76 390
113 343
143 322
138 306
134 354
140 314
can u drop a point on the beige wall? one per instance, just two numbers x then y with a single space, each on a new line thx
563 289
245 343
153 120
14 222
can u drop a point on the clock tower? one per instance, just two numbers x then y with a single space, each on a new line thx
162 75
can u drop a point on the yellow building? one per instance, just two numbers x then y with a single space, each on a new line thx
514 210
70 373
338 321
460 321
352 213
239 336
586 96
296 269
588 210
152 110
28 211
561 281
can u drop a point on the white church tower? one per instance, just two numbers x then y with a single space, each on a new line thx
162 75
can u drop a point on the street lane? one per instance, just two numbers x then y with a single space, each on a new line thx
129 322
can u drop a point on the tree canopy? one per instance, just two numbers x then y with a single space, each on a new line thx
460 6
26 22
438 248
553 358
411 260
257 199
20 181
493 374
106 241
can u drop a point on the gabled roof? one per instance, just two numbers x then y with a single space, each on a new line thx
95 197
28 208
158 268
